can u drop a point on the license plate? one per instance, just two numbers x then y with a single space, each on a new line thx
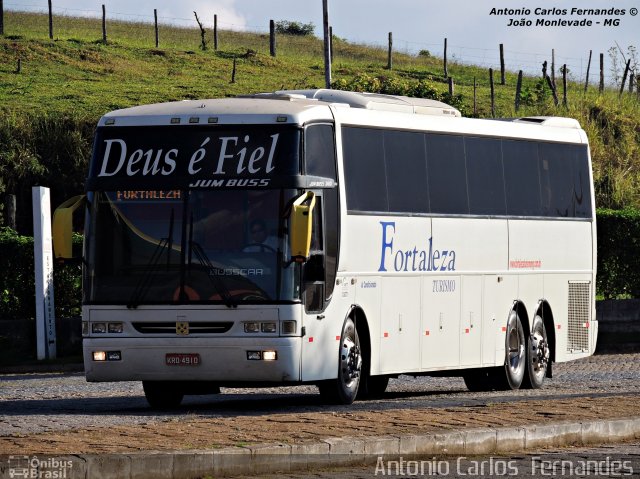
182 359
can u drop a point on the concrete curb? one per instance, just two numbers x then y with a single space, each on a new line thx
268 458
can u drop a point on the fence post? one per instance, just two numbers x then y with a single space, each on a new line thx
1 17
553 67
631 78
215 32
104 24
233 72
331 42
601 87
446 72
19 66
155 21
624 76
327 44
518 90
502 78
586 81
493 98
475 104
272 38
390 52
564 85
50 21
553 90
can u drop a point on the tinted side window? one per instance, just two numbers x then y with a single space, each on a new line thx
364 169
564 175
485 176
446 174
406 172
581 182
319 151
331 227
522 178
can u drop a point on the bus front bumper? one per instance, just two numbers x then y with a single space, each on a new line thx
193 359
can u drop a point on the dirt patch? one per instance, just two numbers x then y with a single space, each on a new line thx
314 426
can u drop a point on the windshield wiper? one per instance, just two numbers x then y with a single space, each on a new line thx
217 283
152 265
203 259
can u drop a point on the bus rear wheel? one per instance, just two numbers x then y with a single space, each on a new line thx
537 355
162 394
344 389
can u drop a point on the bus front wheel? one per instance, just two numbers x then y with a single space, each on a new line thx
344 389
162 394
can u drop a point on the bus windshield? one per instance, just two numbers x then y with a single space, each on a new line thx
189 247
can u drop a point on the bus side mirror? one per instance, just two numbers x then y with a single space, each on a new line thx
300 223
62 228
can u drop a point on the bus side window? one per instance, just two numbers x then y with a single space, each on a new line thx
320 160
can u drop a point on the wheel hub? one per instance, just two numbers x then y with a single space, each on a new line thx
351 360
539 352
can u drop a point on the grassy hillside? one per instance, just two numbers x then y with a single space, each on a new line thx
49 107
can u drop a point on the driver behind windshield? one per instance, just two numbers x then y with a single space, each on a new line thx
261 241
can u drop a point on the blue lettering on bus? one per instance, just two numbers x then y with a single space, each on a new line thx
427 258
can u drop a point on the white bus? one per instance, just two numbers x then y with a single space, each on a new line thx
333 238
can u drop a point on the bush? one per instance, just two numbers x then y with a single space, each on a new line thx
618 253
403 87
17 283
48 149
286 27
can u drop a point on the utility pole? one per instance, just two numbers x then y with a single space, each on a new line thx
327 44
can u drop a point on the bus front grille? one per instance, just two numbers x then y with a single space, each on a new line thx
579 317
179 328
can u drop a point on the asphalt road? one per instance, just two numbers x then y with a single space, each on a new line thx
53 402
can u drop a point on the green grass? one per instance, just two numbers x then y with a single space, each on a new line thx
76 75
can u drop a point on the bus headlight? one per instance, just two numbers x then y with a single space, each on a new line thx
262 355
99 356
114 327
269 355
268 327
99 328
107 356
252 327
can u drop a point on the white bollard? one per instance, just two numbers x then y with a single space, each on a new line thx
43 255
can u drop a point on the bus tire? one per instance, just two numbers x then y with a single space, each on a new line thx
372 386
537 355
162 394
515 362
483 379
344 389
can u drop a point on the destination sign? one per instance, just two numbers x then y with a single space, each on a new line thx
200 157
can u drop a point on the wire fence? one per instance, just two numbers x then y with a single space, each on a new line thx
529 62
